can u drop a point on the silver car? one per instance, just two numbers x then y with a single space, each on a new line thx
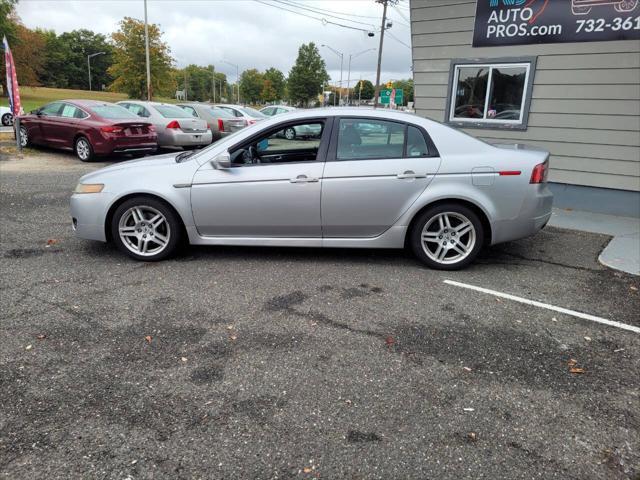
302 131
175 127
372 179
221 122
248 114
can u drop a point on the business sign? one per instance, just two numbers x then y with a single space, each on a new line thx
522 22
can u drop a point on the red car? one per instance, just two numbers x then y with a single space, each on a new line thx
89 128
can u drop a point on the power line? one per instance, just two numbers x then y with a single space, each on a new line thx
323 20
401 14
348 14
293 5
398 40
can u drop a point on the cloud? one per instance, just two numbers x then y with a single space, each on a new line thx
244 32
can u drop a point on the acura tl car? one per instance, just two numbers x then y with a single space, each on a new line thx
90 128
374 179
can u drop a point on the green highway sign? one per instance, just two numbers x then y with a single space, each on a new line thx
387 93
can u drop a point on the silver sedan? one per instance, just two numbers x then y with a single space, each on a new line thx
175 126
372 179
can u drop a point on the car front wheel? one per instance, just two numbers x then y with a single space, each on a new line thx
290 134
447 237
84 150
146 229
24 137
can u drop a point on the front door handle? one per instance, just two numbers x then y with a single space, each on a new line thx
303 179
410 174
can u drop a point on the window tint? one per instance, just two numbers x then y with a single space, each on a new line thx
113 111
53 109
171 111
489 93
369 139
232 111
190 110
138 110
269 111
220 113
81 113
68 111
416 144
252 112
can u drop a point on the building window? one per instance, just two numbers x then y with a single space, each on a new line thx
492 94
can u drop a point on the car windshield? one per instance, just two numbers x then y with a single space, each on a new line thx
112 112
220 112
252 113
171 111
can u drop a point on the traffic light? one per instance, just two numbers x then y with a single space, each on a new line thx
389 84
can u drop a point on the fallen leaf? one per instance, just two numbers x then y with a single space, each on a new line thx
52 241
618 350
389 341
184 359
233 338
466 369
472 436
42 336
307 469
28 347
576 370
554 319
588 339
148 338
635 289
229 327
572 362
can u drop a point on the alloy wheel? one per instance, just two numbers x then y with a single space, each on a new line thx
7 119
24 137
144 230
83 149
289 134
448 237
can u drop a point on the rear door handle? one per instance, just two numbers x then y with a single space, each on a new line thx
409 174
303 179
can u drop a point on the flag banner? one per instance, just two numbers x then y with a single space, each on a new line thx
12 80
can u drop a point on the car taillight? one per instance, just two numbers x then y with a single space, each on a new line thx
539 173
220 125
112 129
251 122
173 124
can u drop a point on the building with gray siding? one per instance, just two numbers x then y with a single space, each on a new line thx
575 94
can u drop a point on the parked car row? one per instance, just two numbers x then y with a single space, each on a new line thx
93 128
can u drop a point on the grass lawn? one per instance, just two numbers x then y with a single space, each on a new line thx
34 97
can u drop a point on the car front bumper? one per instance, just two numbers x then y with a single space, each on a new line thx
88 215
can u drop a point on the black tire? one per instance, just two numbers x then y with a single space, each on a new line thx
290 133
7 119
83 149
446 239
24 137
175 228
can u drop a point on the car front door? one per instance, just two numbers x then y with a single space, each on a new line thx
271 190
375 170
48 117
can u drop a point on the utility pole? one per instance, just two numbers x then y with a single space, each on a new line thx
382 29
146 48
353 55
89 57
213 83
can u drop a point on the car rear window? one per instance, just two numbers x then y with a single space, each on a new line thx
113 112
220 112
171 111
253 113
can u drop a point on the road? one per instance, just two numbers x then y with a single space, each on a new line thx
304 363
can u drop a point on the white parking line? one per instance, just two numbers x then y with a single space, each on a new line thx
566 311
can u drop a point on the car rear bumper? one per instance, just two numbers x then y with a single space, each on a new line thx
88 214
184 139
533 216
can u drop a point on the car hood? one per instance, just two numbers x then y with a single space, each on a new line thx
141 163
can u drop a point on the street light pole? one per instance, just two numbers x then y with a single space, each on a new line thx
89 57
237 79
146 51
341 55
354 55
213 83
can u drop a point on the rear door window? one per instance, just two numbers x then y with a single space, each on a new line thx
68 111
361 139
416 143
190 110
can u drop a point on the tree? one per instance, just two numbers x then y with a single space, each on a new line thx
129 67
251 84
28 55
268 93
308 75
364 90
278 83
407 89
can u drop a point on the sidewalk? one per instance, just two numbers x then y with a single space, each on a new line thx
622 252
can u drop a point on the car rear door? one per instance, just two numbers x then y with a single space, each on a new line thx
66 125
278 197
374 172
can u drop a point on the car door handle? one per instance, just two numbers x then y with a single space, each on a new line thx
409 174
303 179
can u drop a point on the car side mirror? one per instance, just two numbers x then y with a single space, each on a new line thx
222 161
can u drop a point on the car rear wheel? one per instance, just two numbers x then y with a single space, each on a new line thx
447 237
84 150
24 137
146 229
290 133
7 119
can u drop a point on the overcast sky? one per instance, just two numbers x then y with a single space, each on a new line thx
248 33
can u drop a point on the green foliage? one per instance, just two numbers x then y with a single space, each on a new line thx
251 84
129 67
308 75
277 83
364 90
407 89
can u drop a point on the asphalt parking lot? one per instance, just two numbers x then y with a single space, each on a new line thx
304 363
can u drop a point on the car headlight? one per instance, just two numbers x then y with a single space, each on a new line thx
89 188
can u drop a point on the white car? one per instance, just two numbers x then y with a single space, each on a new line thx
248 114
6 116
